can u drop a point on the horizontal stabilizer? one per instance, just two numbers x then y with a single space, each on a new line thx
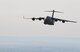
54 11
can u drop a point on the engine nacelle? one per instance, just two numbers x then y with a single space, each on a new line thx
63 21
40 19
56 20
33 18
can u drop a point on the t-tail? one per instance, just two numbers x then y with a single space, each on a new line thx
53 12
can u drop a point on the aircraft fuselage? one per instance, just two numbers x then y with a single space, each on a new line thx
49 20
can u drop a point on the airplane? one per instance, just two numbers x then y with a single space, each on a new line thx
50 20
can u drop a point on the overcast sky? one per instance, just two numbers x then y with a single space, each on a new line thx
12 23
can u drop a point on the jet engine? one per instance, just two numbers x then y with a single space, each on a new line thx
56 20
63 21
40 19
33 18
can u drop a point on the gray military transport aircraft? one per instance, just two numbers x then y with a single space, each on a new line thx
50 20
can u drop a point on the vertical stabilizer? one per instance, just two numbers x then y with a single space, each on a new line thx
53 12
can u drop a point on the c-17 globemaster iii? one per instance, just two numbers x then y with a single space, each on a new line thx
50 20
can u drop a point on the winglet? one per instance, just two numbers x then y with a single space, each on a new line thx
23 17
26 18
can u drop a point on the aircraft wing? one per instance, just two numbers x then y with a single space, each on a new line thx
33 18
57 19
